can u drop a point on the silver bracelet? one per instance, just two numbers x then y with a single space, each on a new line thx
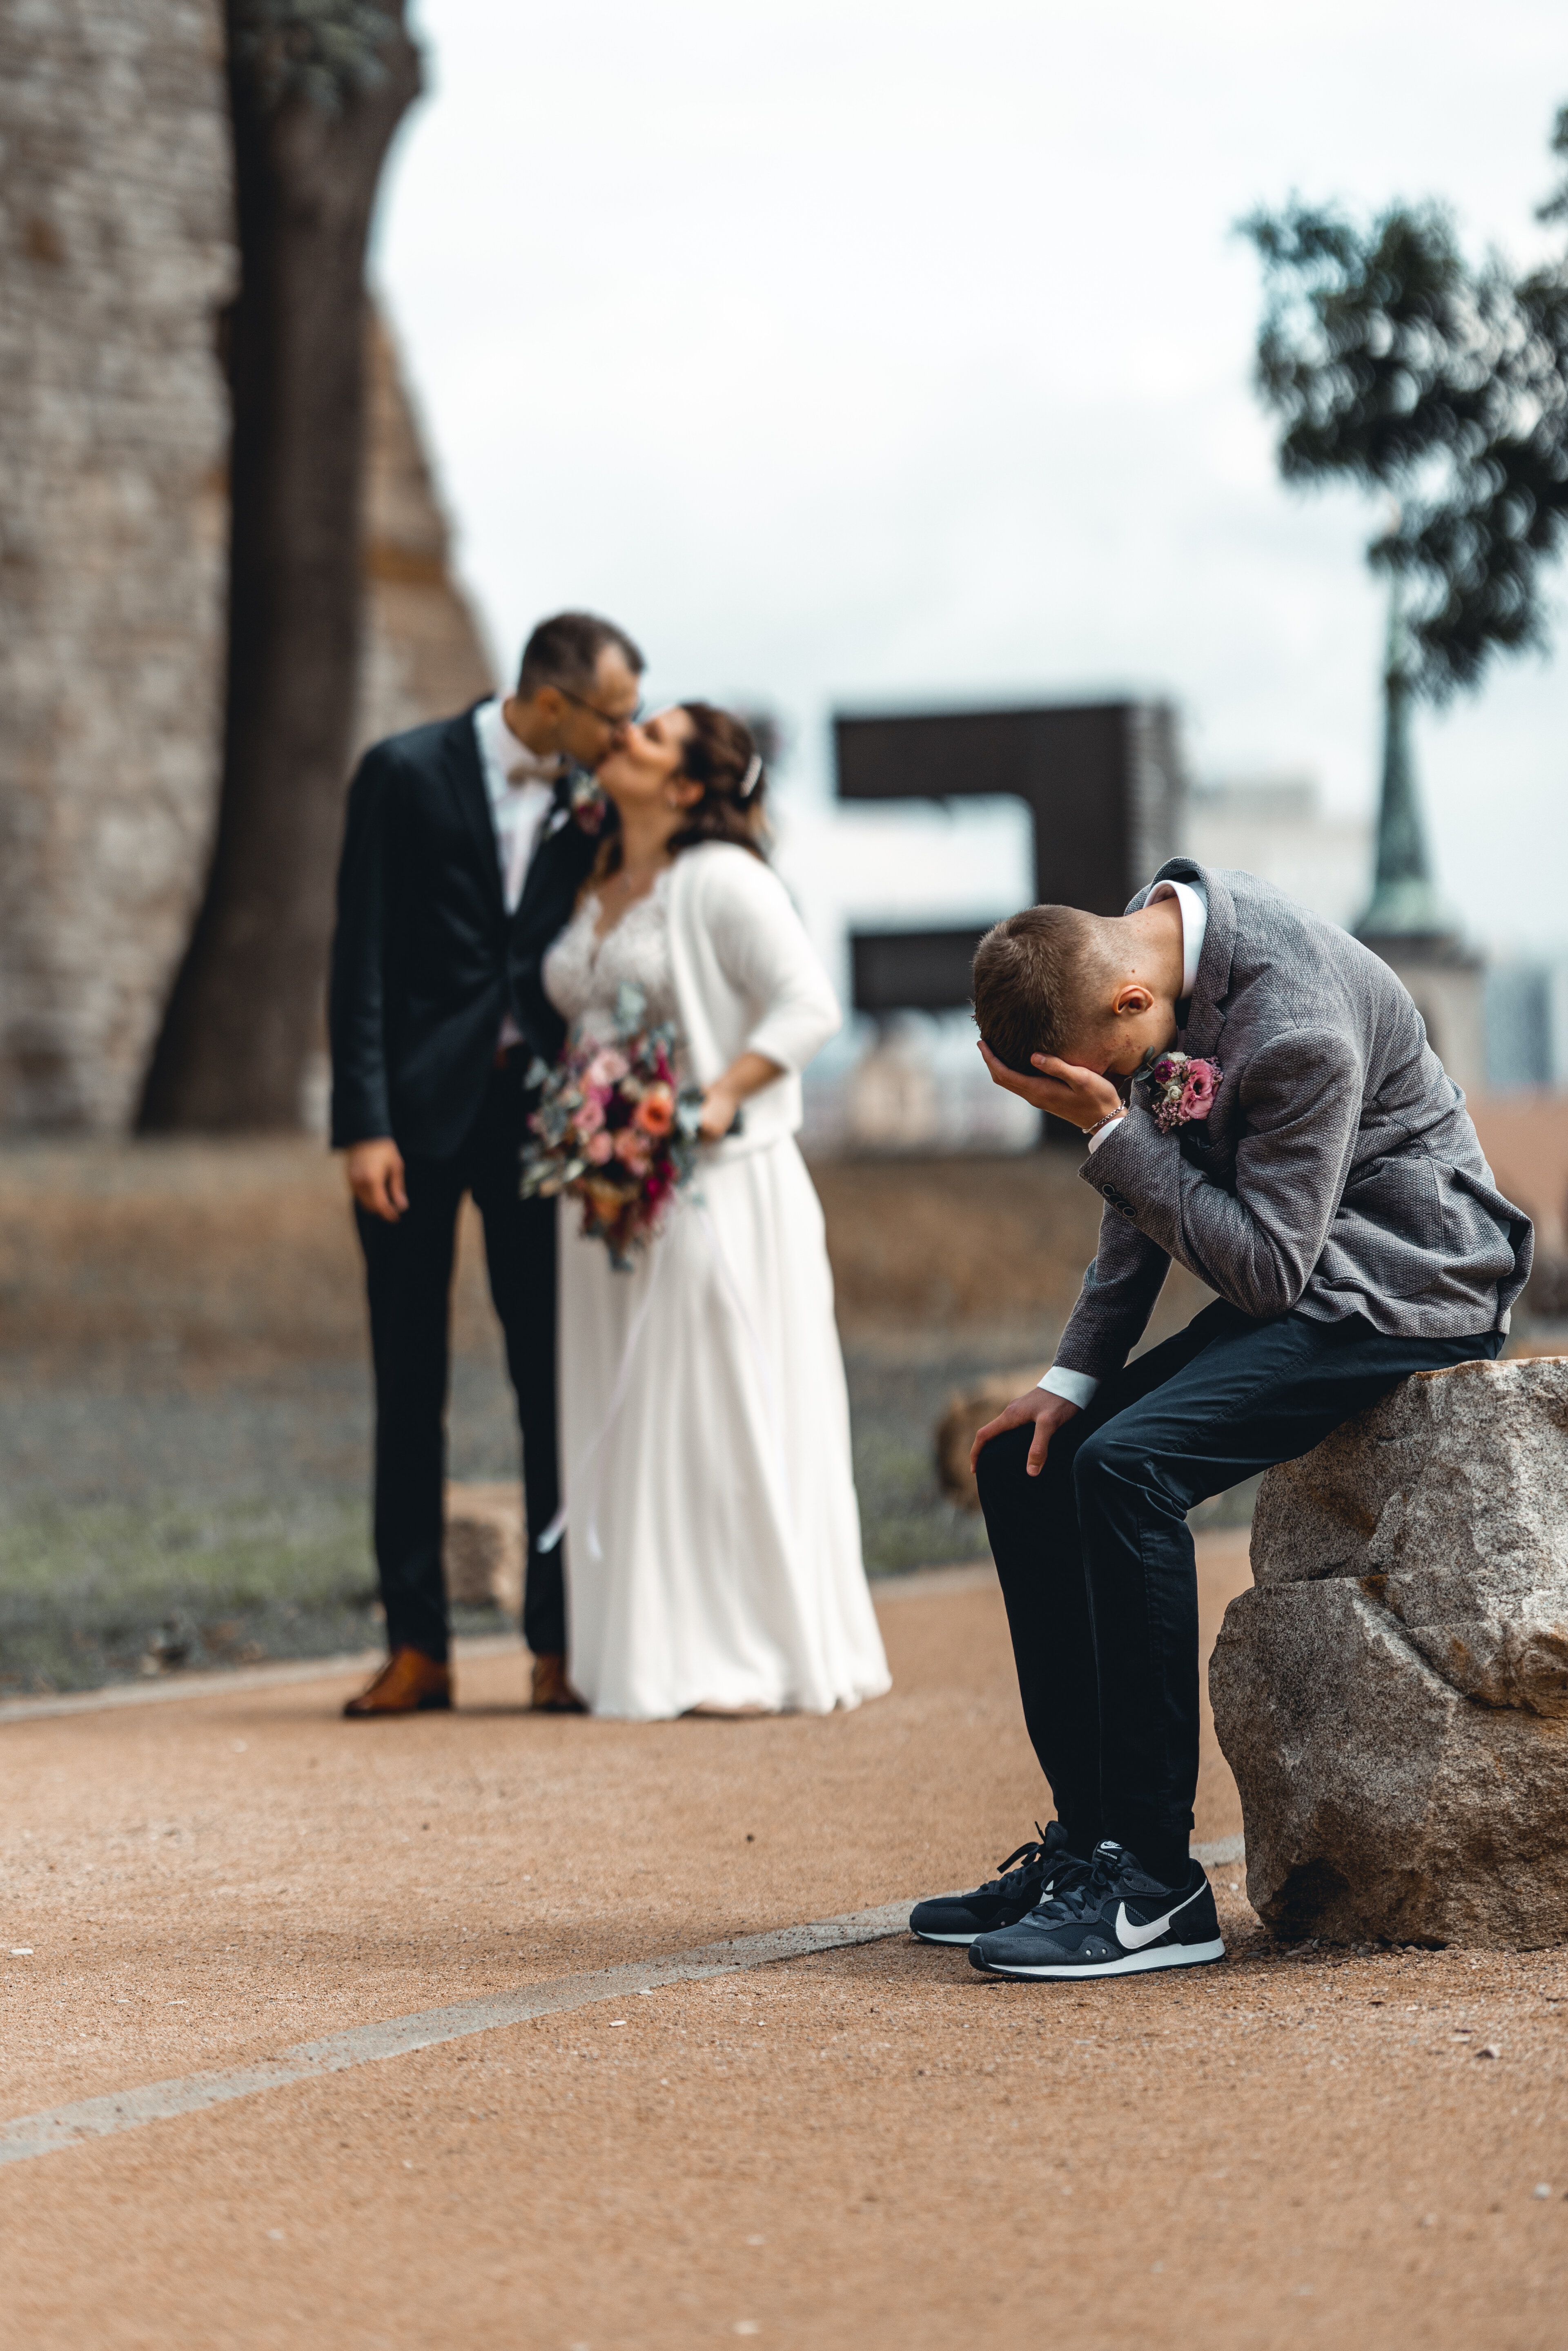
1109 1120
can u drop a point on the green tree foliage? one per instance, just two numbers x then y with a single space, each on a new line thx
1394 361
324 50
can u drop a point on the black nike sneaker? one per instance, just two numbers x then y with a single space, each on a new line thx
1113 1920
1004 1900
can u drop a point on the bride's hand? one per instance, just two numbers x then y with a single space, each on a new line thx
722 1100
719 1114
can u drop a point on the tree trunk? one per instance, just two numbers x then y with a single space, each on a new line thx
245 1015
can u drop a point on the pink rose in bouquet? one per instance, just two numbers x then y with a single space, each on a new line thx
607 1067
614 1130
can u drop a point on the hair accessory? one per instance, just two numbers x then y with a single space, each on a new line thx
751 779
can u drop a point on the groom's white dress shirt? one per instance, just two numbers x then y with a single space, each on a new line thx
520 786
1078 1387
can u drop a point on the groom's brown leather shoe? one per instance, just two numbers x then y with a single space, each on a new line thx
409 1682
553 1693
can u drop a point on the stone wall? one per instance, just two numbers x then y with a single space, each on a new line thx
423 655
115 257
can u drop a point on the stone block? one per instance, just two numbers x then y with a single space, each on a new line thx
482 1550
1392 1695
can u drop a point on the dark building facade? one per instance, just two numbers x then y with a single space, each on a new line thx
1101 781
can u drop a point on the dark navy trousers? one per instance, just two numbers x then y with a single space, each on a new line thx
1096 1561
408 1273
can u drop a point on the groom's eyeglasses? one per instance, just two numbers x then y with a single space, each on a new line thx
627 717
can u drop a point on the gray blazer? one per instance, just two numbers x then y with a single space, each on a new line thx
1338 1172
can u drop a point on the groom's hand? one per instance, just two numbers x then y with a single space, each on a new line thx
1048 1413
1080 1096
375 1173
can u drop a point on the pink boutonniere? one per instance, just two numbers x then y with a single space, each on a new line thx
1181 1089
589 806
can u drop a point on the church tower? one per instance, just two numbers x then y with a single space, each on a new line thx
1407 922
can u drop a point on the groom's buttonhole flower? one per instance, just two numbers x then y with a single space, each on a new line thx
1181 1089
589 805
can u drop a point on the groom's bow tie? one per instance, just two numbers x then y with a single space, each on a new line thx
521 768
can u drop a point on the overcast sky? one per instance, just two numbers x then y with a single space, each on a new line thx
869 351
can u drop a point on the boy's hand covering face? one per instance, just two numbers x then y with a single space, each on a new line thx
1082 1097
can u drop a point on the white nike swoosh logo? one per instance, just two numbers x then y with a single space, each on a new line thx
1133 1938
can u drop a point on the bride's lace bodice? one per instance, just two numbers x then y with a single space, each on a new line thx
582 975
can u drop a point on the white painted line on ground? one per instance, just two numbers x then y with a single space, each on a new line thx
1224 1849
914 1583
366 2044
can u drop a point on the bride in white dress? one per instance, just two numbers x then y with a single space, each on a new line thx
713 1556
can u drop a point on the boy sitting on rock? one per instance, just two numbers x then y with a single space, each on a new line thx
1288 1134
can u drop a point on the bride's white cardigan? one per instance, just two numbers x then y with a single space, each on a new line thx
746 979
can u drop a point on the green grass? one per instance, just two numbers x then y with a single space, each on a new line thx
95 1594
906 1520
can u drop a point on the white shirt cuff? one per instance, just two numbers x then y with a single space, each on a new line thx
1078 1387
1098 1137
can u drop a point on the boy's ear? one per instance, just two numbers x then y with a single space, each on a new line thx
1134 996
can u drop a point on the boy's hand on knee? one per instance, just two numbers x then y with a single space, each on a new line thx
1048 1413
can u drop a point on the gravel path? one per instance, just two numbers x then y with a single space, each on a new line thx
866 2148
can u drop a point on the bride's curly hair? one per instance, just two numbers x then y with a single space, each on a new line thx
721 755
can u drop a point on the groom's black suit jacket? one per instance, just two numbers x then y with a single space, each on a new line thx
425 960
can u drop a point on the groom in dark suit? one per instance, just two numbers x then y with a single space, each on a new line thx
467 841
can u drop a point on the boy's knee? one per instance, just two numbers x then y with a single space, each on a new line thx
1001 1465
1106 1455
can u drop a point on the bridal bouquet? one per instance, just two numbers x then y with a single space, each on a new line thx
614 1130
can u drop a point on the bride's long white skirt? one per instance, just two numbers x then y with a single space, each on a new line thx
712 1546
